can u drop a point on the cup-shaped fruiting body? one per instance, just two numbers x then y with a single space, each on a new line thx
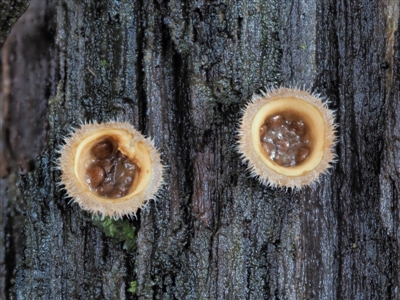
287 137
110 168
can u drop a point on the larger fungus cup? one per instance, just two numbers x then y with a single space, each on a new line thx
287 137
110 168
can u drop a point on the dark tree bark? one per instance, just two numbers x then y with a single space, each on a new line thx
10 11
181 72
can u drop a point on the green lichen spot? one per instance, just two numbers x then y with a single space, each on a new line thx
132 287
103 63
120 230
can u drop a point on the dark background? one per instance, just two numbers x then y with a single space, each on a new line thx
181 71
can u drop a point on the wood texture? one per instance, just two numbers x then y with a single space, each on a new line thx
181 72
10 11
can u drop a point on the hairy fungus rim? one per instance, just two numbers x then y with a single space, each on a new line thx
308 107
132 144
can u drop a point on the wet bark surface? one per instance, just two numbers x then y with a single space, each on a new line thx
181 72
10 11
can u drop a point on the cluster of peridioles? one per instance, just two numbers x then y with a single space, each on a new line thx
286 137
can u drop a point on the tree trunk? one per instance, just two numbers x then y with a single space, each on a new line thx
10 11
181 72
